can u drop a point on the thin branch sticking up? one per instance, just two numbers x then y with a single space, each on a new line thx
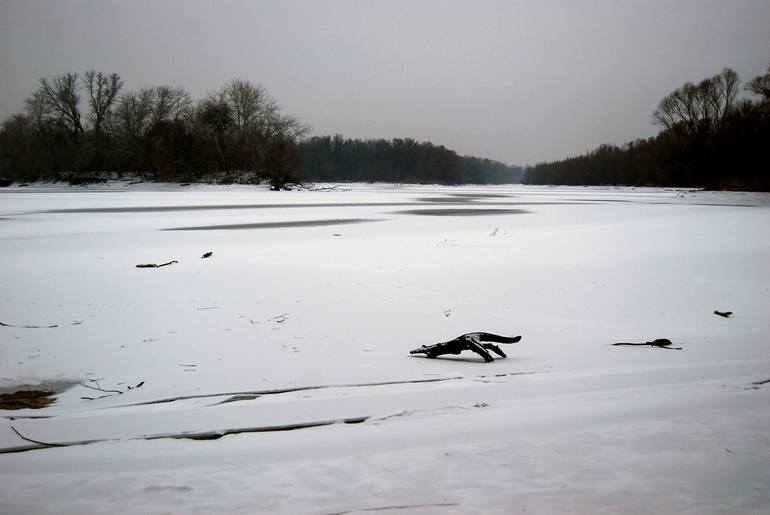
153 265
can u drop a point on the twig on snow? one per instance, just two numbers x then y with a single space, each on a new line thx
109 393
100 389
661 343
153 265
29 326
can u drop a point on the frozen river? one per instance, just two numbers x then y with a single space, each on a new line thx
302 320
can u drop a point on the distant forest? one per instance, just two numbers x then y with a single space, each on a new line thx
709 138
82 128
398 160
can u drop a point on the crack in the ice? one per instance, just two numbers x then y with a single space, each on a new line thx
277 391
187 435
427 411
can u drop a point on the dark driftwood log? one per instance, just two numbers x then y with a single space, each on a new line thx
662 343
726 314
479 343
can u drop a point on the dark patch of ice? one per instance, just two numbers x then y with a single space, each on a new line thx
596 200
481 195
163 209
463 212
274 225
445 200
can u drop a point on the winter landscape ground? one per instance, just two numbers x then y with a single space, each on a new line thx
276 376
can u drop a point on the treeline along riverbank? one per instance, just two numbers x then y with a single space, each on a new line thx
709 138
75 127
79 127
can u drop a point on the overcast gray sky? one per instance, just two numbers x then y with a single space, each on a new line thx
518 81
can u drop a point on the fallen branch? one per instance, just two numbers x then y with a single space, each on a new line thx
153 265
476 342
100 389
29 326
661 343
336 187
96 398
110 393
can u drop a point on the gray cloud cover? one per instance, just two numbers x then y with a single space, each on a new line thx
518 81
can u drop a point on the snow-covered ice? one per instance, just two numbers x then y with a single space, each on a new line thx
303 318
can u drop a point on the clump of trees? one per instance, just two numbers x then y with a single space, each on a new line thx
74 126
709 138
326 158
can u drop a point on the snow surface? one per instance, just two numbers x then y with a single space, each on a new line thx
305 324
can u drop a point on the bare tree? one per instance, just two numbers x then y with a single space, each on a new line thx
215 118
282 126
723 93
254 109
133 113
699 110
102 91
248 131
170 104
38 109
761 86
247 101
63 101
136 112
